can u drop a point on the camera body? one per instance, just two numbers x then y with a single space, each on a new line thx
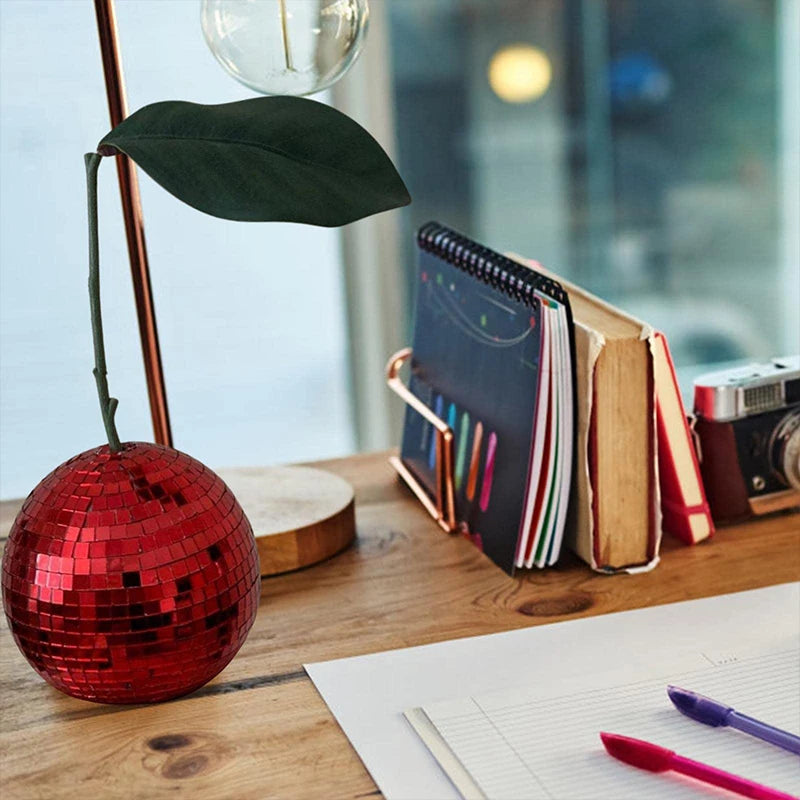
747 422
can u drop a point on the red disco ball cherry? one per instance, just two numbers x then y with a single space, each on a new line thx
130 576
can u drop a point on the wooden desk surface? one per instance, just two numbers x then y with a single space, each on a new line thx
260 729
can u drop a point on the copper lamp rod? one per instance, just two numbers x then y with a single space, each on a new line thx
134 227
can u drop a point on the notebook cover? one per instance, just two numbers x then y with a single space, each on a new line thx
476 355
688 519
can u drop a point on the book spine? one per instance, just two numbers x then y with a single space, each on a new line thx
503 274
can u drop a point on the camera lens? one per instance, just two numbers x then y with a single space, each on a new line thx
785 449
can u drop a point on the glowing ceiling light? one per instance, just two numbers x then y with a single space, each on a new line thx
519 73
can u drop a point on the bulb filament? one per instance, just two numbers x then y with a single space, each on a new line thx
287 50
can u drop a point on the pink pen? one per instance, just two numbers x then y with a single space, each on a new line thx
646 755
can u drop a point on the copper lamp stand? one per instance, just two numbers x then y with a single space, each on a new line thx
134 227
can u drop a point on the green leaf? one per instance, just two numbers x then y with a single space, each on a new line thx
268 158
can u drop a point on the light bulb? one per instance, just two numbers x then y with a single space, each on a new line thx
285 46
519 73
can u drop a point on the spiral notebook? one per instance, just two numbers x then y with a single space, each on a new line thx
493 356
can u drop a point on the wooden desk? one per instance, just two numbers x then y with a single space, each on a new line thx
260 729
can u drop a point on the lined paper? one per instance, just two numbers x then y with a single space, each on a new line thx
534 743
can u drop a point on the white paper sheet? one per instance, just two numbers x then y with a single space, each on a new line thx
368 694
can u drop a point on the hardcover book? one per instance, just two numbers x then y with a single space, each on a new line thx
615 519
683 501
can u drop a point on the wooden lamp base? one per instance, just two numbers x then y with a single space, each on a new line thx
300 515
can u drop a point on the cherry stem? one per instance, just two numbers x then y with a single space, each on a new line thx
108 405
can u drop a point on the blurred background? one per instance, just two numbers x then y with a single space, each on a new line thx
646 149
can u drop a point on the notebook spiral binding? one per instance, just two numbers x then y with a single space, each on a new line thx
492 268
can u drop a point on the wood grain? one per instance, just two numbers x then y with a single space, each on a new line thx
260 730
300 515
262 743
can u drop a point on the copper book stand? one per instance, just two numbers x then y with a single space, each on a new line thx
442 507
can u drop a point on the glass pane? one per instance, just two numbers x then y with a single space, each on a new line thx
251 317
635 147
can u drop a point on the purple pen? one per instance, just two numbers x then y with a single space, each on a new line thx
710 712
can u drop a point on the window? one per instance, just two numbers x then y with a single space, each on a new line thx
646 149
251 317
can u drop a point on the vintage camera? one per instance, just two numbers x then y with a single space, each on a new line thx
748 430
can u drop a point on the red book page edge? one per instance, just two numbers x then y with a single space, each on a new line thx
675 512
